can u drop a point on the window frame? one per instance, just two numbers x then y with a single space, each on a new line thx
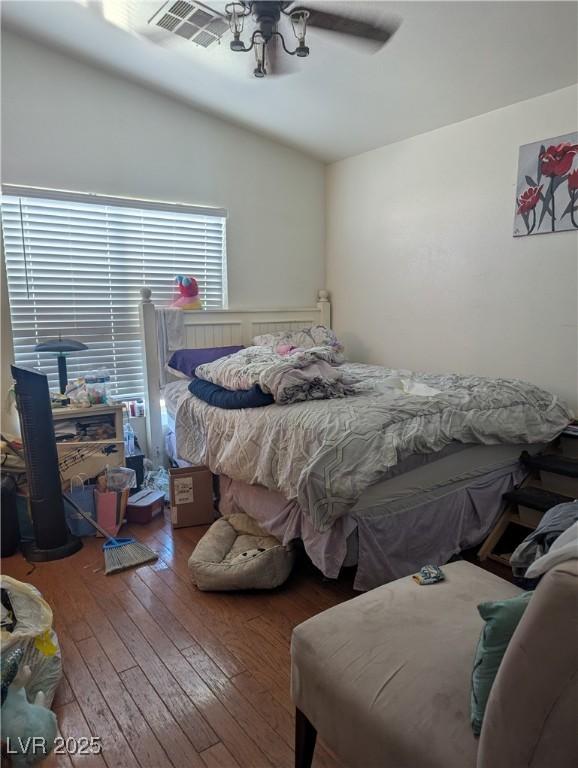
87 198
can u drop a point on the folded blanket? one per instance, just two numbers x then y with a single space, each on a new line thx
220 397
304 374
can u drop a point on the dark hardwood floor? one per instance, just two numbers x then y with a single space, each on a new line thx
166 675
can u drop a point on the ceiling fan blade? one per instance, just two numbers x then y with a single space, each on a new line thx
376 34
157 35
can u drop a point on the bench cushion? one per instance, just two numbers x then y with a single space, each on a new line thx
385 678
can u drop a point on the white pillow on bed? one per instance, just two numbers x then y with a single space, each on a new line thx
175 373
314 336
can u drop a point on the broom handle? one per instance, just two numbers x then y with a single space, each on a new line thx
88 518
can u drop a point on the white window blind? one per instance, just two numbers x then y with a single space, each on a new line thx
75 267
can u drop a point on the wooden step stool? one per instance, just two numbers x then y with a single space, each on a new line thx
527 504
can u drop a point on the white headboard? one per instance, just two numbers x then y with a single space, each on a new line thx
213 328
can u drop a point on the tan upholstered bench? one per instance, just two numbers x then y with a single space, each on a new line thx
385 678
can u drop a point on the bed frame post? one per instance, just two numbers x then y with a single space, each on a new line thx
324 307
151 364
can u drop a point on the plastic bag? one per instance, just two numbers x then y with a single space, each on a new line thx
97 384
120 478
158 480
30 628
77 392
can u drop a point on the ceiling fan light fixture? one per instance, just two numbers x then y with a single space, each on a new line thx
271 18
236 12
299 24
259 44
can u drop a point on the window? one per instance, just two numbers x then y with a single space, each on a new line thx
75 266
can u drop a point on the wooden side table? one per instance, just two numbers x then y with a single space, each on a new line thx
88 439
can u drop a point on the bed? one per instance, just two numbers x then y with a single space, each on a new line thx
441 492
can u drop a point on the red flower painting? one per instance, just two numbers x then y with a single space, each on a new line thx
527 203
556 161
529 199
547 192
573 192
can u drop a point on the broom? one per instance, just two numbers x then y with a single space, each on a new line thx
119 554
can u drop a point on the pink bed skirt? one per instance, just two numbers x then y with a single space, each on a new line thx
285 520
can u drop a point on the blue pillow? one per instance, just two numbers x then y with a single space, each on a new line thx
501 617
220 397
186 360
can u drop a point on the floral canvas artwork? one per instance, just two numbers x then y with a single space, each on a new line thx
547 190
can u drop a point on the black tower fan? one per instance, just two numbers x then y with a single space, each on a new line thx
52 539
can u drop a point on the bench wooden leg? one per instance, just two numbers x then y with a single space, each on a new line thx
305 737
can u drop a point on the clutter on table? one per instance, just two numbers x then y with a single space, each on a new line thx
135 408
58 400
91 389
88 438
89 428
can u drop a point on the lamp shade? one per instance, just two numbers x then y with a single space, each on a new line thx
60 345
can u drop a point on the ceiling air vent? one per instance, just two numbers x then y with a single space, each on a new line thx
181 9
168 22
191 21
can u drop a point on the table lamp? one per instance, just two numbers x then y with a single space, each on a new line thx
61 347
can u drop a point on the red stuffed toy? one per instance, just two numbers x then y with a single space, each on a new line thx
188 297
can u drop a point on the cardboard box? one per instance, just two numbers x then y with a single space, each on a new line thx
191 493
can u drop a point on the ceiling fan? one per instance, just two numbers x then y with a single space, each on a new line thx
270 22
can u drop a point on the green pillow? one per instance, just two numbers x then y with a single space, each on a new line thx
501 619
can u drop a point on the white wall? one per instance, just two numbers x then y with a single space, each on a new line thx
8 414
68 125
421 262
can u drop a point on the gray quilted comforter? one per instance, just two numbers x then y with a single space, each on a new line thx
325 453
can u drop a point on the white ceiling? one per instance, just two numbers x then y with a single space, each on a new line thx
447 62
